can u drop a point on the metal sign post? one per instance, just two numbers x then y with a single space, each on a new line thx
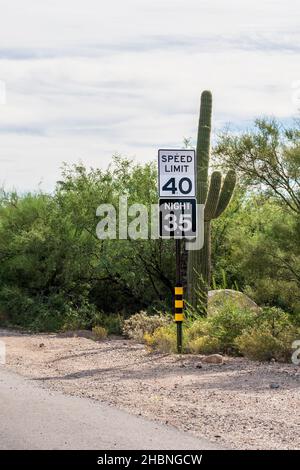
178 297
177 212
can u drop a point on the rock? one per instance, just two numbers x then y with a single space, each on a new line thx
216 298
274 385
213 359
84 334
76 334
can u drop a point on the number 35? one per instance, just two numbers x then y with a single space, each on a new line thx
184 223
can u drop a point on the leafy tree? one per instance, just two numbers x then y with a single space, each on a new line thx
266 158
256 245
54 267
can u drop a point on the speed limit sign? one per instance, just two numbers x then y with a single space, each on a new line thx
176 173
178 218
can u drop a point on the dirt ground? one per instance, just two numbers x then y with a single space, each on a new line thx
239 404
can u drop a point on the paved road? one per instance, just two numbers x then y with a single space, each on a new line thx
32 417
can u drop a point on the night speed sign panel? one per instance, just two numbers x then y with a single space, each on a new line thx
177 218
176 173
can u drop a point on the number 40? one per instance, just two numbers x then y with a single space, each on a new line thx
184 185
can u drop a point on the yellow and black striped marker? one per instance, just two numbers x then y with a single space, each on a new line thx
179 304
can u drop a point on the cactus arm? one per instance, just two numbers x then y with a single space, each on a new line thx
203 145
213 195
226 193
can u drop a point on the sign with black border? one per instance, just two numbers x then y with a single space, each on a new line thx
177 218
176 173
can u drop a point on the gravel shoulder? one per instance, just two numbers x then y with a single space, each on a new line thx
239 404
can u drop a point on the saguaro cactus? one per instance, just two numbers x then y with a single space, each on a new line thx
215 194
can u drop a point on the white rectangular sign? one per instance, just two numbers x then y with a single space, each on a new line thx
176 173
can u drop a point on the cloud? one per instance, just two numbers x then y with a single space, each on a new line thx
84 81
288 42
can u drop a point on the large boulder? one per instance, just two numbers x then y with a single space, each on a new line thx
216 298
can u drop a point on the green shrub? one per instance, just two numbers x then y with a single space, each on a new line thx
99 333
163 339
140 323
44 319
205 335
113 322
228 323
234 330
260 344
33 312
217 333
81 317
270 337
275 318
204 345
295 318
198 328
15 305
87 316
280 292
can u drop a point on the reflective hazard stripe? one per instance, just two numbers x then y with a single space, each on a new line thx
178 304
178 290
179 317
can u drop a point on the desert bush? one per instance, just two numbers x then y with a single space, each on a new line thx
261 335
37 313
162 339
87 316
275 319
232 330
270 337
99 333
199 327
205 335
228 323
204 345
260 344
140 323
217 332
83 316
112 322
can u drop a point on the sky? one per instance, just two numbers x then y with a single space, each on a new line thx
84 80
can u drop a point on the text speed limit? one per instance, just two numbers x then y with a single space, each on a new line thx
177 218
176 173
